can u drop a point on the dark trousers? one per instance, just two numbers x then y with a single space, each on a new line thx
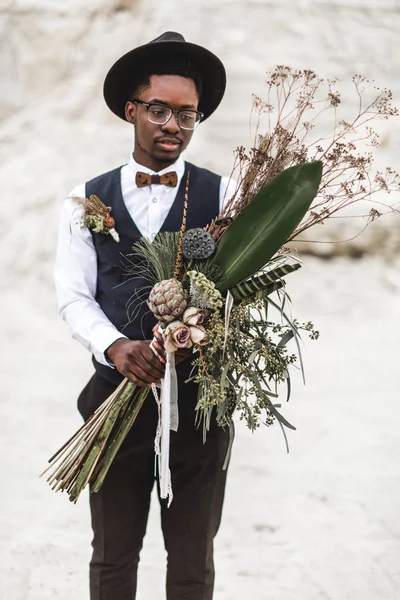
120 509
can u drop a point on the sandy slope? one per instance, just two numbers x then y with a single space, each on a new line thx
321 522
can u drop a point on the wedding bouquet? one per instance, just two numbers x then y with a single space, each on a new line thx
210 289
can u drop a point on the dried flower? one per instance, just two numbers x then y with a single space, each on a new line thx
296 102
203 292
198 335
96 216
194 316
186 333
177 335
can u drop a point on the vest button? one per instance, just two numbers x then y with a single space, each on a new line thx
154 200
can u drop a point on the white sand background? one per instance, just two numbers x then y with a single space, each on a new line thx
321 522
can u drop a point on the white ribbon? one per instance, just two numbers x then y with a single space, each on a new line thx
168 418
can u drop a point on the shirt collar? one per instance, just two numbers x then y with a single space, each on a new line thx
178 166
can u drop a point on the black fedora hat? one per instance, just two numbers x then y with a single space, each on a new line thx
128 69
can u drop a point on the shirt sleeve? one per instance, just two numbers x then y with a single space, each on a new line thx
227 189
76 282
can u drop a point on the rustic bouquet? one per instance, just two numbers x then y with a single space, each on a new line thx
210 289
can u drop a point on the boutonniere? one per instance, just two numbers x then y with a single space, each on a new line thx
96 216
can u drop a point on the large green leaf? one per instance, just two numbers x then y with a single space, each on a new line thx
267 221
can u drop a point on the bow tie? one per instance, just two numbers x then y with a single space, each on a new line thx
169 179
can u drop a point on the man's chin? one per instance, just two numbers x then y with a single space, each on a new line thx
167 154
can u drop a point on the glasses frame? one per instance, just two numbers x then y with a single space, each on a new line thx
173 112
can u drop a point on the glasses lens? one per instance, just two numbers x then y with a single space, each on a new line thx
188 119
157 113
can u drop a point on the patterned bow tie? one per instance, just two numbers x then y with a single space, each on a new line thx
169 179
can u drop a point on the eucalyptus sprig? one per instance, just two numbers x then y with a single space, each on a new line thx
245 380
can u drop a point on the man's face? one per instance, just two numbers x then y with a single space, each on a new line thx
158 146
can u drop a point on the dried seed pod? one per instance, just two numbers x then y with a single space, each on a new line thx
109 222
198 244
168 300
224 221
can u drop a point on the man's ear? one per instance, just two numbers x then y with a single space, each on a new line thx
130 112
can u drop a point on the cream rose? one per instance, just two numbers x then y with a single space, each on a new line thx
177 335
181 335
198 335
193 316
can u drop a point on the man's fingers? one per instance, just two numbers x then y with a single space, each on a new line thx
149 363
137 361
158 350
132 377
159 337
158 343
136 374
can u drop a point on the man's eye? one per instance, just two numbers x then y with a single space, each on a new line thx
187 116
158 111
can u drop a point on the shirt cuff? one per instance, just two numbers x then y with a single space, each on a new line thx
102 341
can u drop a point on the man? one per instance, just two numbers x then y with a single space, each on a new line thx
164 88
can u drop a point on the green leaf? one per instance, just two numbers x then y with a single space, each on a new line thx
280 417
296 334
223 377
231 440
263 284
258 232
228 310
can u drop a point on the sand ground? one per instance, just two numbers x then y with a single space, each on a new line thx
319 523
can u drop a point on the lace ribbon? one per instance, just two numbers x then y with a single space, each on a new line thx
168 419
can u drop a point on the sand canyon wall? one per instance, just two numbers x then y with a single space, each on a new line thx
55 130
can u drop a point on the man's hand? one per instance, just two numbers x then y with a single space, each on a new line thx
136 361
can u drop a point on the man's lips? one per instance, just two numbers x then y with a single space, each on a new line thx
168 143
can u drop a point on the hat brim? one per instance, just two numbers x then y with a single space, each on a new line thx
119 79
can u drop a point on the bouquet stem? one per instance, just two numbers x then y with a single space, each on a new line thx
101 441
87 456
126 423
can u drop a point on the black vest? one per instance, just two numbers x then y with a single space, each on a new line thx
117 295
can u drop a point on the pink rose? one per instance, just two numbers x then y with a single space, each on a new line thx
193 316
177 335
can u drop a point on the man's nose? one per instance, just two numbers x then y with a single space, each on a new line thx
172 125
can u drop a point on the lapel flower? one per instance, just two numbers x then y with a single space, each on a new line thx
96 216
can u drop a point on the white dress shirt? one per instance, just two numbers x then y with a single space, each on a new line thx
76 260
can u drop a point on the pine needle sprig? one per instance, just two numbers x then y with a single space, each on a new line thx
152 260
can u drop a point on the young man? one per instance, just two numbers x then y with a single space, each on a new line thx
164 88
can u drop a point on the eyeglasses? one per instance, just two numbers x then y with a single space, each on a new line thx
160 114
